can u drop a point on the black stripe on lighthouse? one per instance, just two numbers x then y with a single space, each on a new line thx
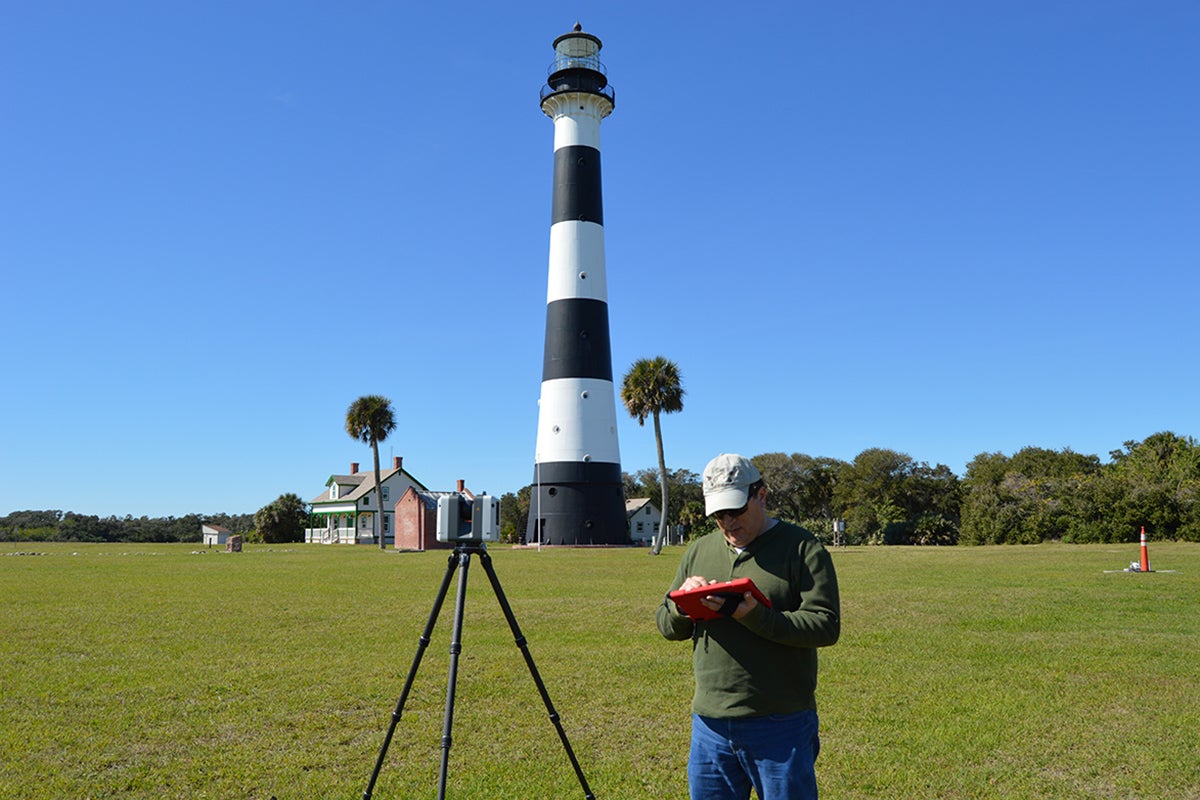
582 472
577 193
577 344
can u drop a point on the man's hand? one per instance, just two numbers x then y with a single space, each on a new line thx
695 582
717 603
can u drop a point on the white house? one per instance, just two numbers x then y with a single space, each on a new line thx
345 512
214 534
643 518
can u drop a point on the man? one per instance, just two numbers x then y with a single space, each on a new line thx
754 716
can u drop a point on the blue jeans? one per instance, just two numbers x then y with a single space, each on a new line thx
775 754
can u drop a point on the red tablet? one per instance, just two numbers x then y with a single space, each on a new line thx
689 601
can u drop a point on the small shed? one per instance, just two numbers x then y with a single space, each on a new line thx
416 519
214 534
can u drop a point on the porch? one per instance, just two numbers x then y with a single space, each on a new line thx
334 535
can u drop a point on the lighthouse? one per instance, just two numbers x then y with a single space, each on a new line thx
578 497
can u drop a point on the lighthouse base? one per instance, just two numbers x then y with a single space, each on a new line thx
577 504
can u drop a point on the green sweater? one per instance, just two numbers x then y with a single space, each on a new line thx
766 662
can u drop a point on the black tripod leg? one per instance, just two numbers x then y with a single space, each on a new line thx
464 561
412 672
533 670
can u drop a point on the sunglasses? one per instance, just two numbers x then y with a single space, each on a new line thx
734 513
731 513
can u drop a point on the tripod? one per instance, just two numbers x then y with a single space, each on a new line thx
461 559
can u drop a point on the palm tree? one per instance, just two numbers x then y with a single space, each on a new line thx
652 387
370 419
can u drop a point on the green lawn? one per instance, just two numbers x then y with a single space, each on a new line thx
168 671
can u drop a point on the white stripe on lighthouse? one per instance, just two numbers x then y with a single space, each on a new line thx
577 261
577 421
581 127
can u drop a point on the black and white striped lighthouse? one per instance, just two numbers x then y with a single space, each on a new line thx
578 496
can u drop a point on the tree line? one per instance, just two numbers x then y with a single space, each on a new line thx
886 498
59 526
883 496
281 520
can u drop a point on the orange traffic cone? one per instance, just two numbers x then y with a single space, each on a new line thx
1145 554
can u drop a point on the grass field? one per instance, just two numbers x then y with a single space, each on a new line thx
165 671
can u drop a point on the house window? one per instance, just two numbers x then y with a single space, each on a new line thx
367 500
640 526
333 492
387 523
385 494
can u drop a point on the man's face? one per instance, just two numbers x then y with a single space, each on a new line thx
741 527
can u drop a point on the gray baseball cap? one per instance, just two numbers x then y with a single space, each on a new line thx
727 481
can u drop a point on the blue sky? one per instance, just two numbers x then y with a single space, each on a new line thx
943 228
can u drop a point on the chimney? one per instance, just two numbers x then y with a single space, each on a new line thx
461 485
353 467
399 462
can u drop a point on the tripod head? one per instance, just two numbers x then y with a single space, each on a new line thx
470 547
